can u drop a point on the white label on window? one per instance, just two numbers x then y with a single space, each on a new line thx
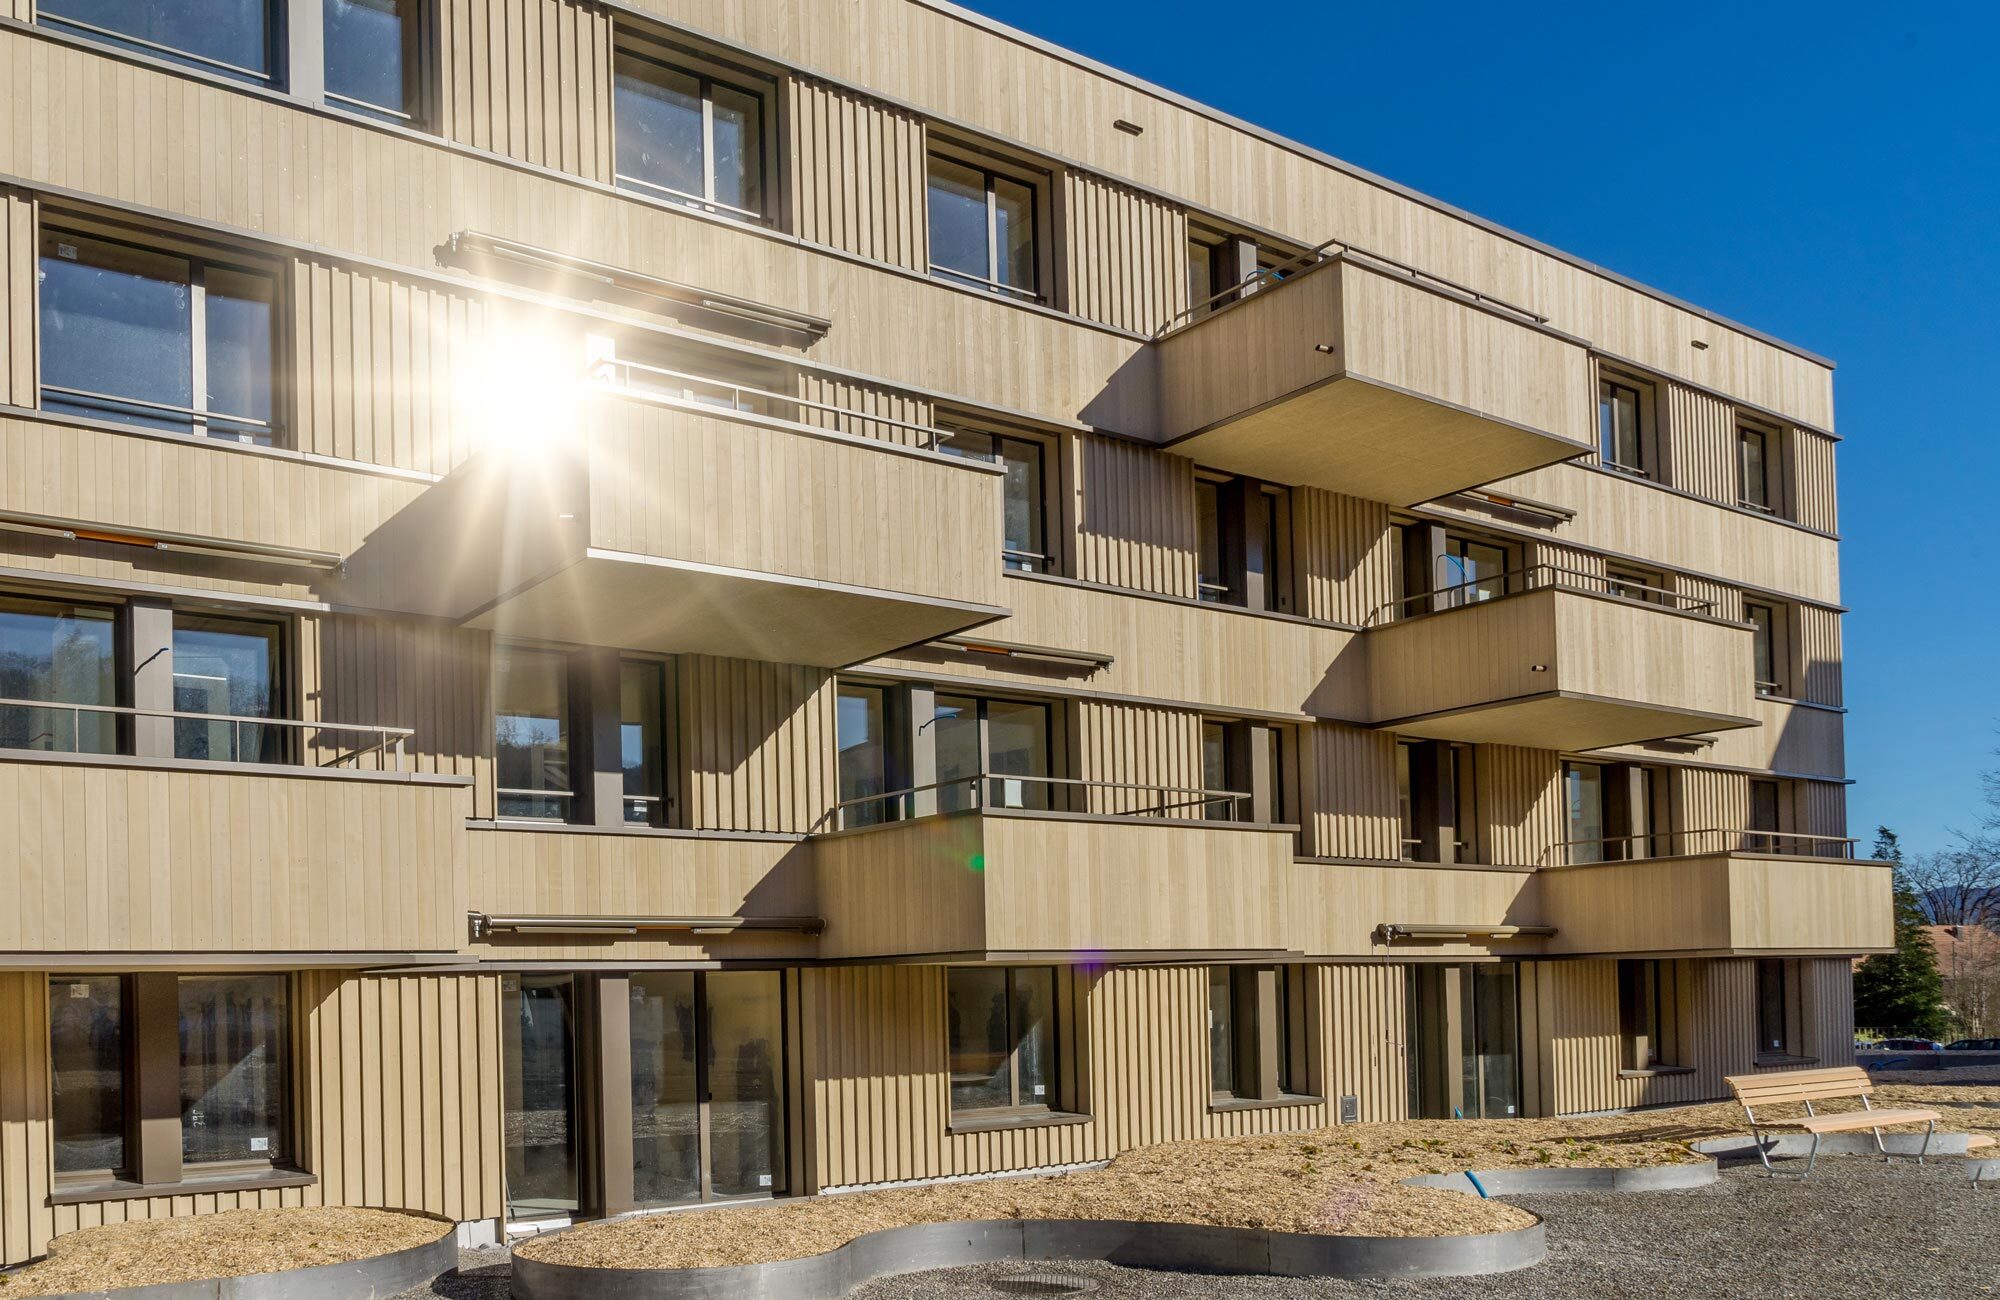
1039 1090
79 990
67 252
763 1180
260 1144
1510 1110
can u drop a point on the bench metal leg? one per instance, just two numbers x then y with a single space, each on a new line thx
1811 1159
1757 1140
1930 1127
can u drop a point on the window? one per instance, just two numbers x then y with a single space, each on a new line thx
1584 797
1773 1007
861 737
1636 584
642 741
1767 647
233 1031
227 667
1646 1014
682 134
1406 806
1620 440
1465 805
234 37
1001 1038
1254 1017
982 228
531 733
372 57
1005 740
1242 530
1437 801
88 1063
1243 773
1765 817
1470 571
58 652
153 339
1211 271
1025 544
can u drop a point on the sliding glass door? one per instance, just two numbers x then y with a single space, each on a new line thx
1464 1034
708 1113
539 1042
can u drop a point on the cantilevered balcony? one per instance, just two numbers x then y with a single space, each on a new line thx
1551 658
1716 893
1370 379
678 515
1006 866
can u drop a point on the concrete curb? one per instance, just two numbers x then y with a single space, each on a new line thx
360 1279
1190 1248
1528 1182
1799 1145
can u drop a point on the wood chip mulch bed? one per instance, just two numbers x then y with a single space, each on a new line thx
234 1243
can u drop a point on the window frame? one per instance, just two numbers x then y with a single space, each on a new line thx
665 810
1275 997
1772 639
55 226
642 46
569 799
992 170
283 740
1649 1039
1045 559
1056 1091
276 77
64 1179
1645 441
1781 971
418 41
1771 456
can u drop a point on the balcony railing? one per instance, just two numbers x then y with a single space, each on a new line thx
723 394
245 735
1696 843
1539 577
1056 794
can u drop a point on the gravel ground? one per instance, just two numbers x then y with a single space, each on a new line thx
1859 1228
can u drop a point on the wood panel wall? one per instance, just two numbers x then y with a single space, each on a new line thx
1822 809
756 744
1826 987
387 371
417 673
1349 776
860 174
1140 745
865 401
1520 804
1124 254
1820 654
1723 600
1699 433
1135 517
1810 488
396 1098
1705 799
17 298
1344 556
531 80
1368 1057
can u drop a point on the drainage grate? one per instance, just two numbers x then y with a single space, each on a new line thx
1044 1284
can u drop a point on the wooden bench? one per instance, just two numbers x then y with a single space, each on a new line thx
1807 1087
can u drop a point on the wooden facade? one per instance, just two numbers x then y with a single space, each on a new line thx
779 465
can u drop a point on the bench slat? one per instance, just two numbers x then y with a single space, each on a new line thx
1800 1086
1849 1120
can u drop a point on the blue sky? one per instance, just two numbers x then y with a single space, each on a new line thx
1827 173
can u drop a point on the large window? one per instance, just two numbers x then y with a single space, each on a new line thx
861 729
1621 440
1470 571
1025 546
1007 741
531 729
682 134
155 339
982 228
233 1031
1256 1032
237 38
89 1059
372 57
1437 801
231 668
642 741
1647 1017
62 653
541 1091
1584 800
1001 1038
1242 542
1774 1037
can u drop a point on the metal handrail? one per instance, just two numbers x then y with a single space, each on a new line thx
995 286
607 365
387 738
690 200
1543 577
144 404
1332 250
1682 844
977 784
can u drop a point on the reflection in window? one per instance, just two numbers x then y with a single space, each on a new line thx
1618 441
233 1034
531 733
87 1053
688 137
1212 577
1583 795
1005 740
371 56
233 37
861 737
1025 544
118 339
229 667
53 650
1763 620
1001 1037
538 1022
1471 571
1753 468
641 744
982 228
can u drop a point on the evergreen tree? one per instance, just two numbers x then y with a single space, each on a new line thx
1901 992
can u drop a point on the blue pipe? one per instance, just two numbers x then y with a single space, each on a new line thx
1477 1186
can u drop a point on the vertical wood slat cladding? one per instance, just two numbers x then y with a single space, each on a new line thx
1705 799
530 79
865 400
17 299
1124 254
1827 1009
1520 804
1343 556
1351 772
876 1054
1701 431
1572 566
1822 809
396 1095
1140 745
1811 487
1721 599
1820 653
756 742
1363 1020
1577 1004
860 175
383 369
1135 517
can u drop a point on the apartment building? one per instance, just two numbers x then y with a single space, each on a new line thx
607 605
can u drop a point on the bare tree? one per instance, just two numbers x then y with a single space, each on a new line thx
1958 886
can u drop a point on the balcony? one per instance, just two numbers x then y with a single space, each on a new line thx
992 867
1551 658
287 839
674 523
1363 377
1719 893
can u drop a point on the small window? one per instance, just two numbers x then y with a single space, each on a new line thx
65 654
1620 439
154 339
1410 842
683 134
983 228
237 38
229 669
1465 804
89 1055
1767 647
531 723
1254 1045
1025 546
642 720
233 1035
1242 542
1636 584
1001 1039
1754 466
1210 275
372 57
1773 1007
1646 1015
1766 817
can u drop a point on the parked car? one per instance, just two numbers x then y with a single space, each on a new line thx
1974 1045
1909 1045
